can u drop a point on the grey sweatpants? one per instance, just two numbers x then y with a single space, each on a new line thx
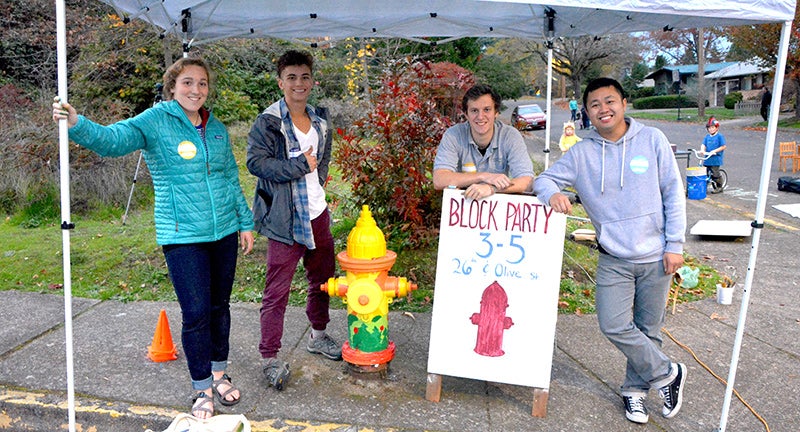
631 300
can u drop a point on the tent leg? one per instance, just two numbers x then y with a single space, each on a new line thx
133 185
758 224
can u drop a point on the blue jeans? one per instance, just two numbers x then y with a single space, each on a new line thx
631 302
202 275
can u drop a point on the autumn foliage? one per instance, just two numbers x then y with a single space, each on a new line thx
387 155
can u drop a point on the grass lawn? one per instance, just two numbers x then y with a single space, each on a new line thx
122 262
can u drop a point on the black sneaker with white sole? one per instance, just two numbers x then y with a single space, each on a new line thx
672 393
635 410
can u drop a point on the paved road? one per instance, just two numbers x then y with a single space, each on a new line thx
743 158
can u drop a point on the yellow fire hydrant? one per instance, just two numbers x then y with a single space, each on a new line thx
367 290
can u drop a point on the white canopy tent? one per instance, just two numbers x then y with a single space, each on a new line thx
202 21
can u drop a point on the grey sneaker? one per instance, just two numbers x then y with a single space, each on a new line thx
326 346
276 372
672 393
635 410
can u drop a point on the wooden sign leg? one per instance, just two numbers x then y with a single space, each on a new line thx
433 391
540 396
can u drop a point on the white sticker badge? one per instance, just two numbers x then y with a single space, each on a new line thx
187 149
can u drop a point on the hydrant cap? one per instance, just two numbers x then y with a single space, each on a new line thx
366 240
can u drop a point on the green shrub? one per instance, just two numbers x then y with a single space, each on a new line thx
232 106
732 98
667 101
643 92
42 205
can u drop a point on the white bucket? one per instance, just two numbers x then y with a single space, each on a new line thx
724 295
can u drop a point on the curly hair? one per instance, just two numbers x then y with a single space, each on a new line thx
295 58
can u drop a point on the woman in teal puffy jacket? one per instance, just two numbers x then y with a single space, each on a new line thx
201 214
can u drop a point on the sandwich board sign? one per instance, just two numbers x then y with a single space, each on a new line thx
496 297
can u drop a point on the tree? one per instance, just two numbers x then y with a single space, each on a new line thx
502 76
762 42
584 57
631 82
681 45
28 37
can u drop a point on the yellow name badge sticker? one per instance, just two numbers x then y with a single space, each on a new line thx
187 149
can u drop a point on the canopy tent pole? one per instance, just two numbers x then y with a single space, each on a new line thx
549 34
758 223
66 225
549 106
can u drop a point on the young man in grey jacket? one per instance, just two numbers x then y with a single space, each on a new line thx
289 149
630 186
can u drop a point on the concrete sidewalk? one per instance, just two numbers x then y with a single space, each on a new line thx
119 389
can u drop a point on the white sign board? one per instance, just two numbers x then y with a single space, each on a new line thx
496 298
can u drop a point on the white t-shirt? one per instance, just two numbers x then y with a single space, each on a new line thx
316 194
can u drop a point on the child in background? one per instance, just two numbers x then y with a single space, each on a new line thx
714 145
568 137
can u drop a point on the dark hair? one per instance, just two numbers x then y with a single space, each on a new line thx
171 75
477 91
295 58
600 83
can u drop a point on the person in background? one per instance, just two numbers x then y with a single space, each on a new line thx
766 100
630 186
573 109
483 155
201 214
289 149
585 123
568 137
714 145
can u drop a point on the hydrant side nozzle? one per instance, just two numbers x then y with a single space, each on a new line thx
334 288
398 287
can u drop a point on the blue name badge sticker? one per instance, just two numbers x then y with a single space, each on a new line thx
639 164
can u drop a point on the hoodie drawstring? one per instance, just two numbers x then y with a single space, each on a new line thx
621 168
622 163
603 170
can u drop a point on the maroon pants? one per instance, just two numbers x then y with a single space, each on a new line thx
282 262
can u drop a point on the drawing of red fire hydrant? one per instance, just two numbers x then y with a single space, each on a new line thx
492 321
367 289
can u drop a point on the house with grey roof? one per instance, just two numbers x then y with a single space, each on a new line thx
721 78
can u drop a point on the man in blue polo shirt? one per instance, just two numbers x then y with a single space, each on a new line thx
483 155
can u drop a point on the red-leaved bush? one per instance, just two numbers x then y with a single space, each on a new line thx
387 155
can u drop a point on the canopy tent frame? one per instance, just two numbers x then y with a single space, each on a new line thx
449 19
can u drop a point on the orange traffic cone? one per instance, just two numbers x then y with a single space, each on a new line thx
162 348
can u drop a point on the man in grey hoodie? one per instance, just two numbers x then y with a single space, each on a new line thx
630 186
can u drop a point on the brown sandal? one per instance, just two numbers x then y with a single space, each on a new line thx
221 396
200 403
